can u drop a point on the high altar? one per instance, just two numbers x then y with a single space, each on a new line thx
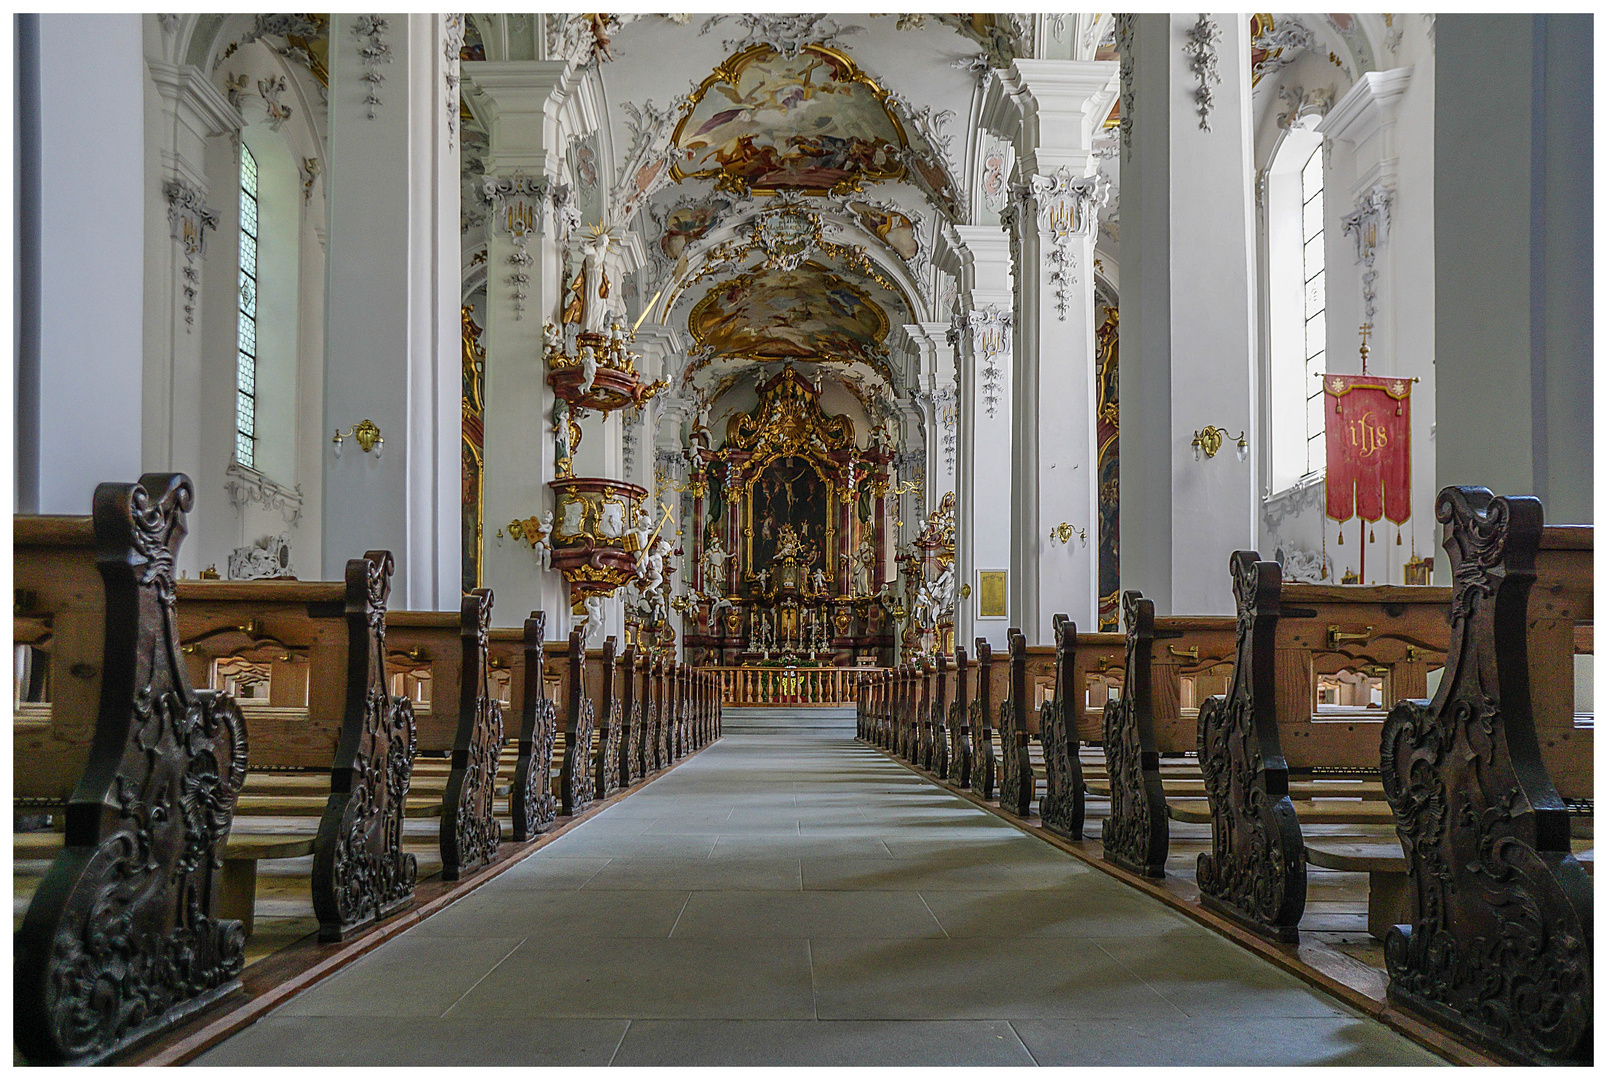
789 536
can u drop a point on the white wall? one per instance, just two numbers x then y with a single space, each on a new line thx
92 221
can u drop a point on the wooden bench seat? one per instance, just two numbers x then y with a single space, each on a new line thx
1335 811
1271 725
297 639
1389 896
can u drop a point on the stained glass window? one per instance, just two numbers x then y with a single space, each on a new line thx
245 404
1316 303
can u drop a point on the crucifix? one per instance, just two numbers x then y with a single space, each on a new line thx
1365 329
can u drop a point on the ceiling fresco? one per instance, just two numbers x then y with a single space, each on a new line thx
806 313
813 122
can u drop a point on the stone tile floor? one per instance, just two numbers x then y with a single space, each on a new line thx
795 898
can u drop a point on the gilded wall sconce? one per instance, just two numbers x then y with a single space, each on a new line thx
1065 531
367 435
1209 439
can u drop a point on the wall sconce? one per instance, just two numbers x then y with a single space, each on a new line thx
1210 439
1065 531
367 435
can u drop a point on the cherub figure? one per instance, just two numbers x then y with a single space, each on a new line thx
542 544
591 624
552 340
588 368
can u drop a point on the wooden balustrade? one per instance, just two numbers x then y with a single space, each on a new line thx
775 687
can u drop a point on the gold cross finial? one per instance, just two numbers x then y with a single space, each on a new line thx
1365 329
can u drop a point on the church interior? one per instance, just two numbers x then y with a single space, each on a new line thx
803 539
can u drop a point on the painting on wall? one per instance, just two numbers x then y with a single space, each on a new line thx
686 225
765 121
893 227
788 508
807 313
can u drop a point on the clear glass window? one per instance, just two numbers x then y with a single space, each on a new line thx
245 406
1316 303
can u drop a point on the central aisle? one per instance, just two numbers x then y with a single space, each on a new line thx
796 898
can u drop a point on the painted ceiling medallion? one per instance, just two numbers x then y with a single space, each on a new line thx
805 314
813 122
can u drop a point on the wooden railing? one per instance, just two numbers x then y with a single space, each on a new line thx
761 687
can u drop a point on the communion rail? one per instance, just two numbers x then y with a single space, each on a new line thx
759 687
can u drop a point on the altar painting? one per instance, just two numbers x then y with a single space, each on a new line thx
788 514
766 121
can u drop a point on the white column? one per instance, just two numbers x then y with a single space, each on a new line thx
936 397
1052 109
1187 325
393 333
1513 259
91 260
520 103
982 494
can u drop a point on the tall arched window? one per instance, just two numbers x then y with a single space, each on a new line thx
1314 304
245 404
1297 306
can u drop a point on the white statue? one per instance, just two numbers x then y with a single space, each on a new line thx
935 599
552 340
650 565
542 545
863 563
590 624
714 559
817 581
616 343
642 529
594 274
717 603
560 428
611 522
588 368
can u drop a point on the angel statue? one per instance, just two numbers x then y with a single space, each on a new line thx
817 581
590 624
552 341
642 529
542 544
588 368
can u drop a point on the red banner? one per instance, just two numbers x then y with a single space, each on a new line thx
1368 424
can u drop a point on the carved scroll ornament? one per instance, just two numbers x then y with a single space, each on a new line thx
983 761
119 941
359 871
575 778
1255 871
533 805
1500 946
1062 806
470 831
1135 835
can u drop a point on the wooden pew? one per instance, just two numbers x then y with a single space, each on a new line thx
937 722
923 749
1066 721
531 802
1501 945
1251 739
1017 781
605 764
959 723
120 941
331 721
983 761
630 718
575 789
450 651
1147 720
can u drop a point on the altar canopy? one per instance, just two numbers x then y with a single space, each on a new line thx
1368 428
